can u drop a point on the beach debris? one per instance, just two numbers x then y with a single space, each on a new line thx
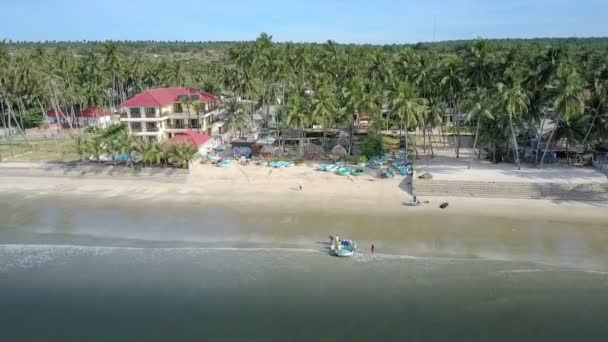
426 176
444 205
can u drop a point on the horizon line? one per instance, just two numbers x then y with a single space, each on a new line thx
85 41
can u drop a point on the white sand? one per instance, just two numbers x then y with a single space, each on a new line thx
277 189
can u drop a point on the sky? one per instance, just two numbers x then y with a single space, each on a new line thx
345 21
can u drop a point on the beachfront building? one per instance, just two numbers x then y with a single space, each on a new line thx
204 143
162 113
90 117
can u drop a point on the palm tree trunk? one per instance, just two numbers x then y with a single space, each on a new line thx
514 143
350 138
424 139
406 137
379 125
475 142
7 130
590 128
457 133
431 143
559 118
540 138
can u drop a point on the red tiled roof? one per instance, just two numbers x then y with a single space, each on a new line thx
190 138
165 96
92 113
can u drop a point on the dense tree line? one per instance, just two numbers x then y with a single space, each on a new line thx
511 91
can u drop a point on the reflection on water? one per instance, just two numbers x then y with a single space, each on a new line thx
100 270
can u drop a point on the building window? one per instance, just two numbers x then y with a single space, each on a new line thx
151 127
135 112
195 97
150 112
136 126
177 108
194 123
179 124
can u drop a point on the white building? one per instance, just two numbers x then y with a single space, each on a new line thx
160 113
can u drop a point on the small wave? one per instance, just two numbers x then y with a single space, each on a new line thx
596 272
28 256
523 271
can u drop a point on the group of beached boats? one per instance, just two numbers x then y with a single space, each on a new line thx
340 169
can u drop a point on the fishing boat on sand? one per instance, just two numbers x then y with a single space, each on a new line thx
343 248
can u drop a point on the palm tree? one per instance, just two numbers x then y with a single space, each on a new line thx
433 119
236 117
568 92
453 85
598 102
95 147
324 106
516 103
371 102
156 154
186 101
197 107
479 107
409 108
297 114
353 94
78 146
182 154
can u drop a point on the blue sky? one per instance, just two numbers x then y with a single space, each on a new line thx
372 21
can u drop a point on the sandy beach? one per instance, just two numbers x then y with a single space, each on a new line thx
260 188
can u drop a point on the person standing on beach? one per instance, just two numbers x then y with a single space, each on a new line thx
373 248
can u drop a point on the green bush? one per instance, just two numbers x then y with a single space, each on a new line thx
362 159
370 146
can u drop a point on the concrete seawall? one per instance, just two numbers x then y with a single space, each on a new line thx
520 190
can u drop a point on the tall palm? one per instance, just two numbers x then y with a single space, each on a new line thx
479 107
409 108
353 94
453 85
156 154
182 154
568 101
297 116
324 107
236 117
516 103
186 101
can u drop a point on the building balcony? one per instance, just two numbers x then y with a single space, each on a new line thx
151 115
135 116
152 129
124 115
136 129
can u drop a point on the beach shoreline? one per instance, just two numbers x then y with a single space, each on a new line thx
259 189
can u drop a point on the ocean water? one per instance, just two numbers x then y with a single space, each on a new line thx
102 270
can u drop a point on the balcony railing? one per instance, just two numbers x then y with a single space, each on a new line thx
135 116
135 129
151 115
124 115
151 129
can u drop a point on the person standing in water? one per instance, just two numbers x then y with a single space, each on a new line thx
373 248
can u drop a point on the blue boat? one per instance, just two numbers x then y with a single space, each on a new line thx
344 248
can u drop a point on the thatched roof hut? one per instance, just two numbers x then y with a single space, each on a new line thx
339 151
313 151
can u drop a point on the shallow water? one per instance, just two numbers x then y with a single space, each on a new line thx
98 270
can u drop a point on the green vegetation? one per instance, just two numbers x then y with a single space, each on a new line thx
508 93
